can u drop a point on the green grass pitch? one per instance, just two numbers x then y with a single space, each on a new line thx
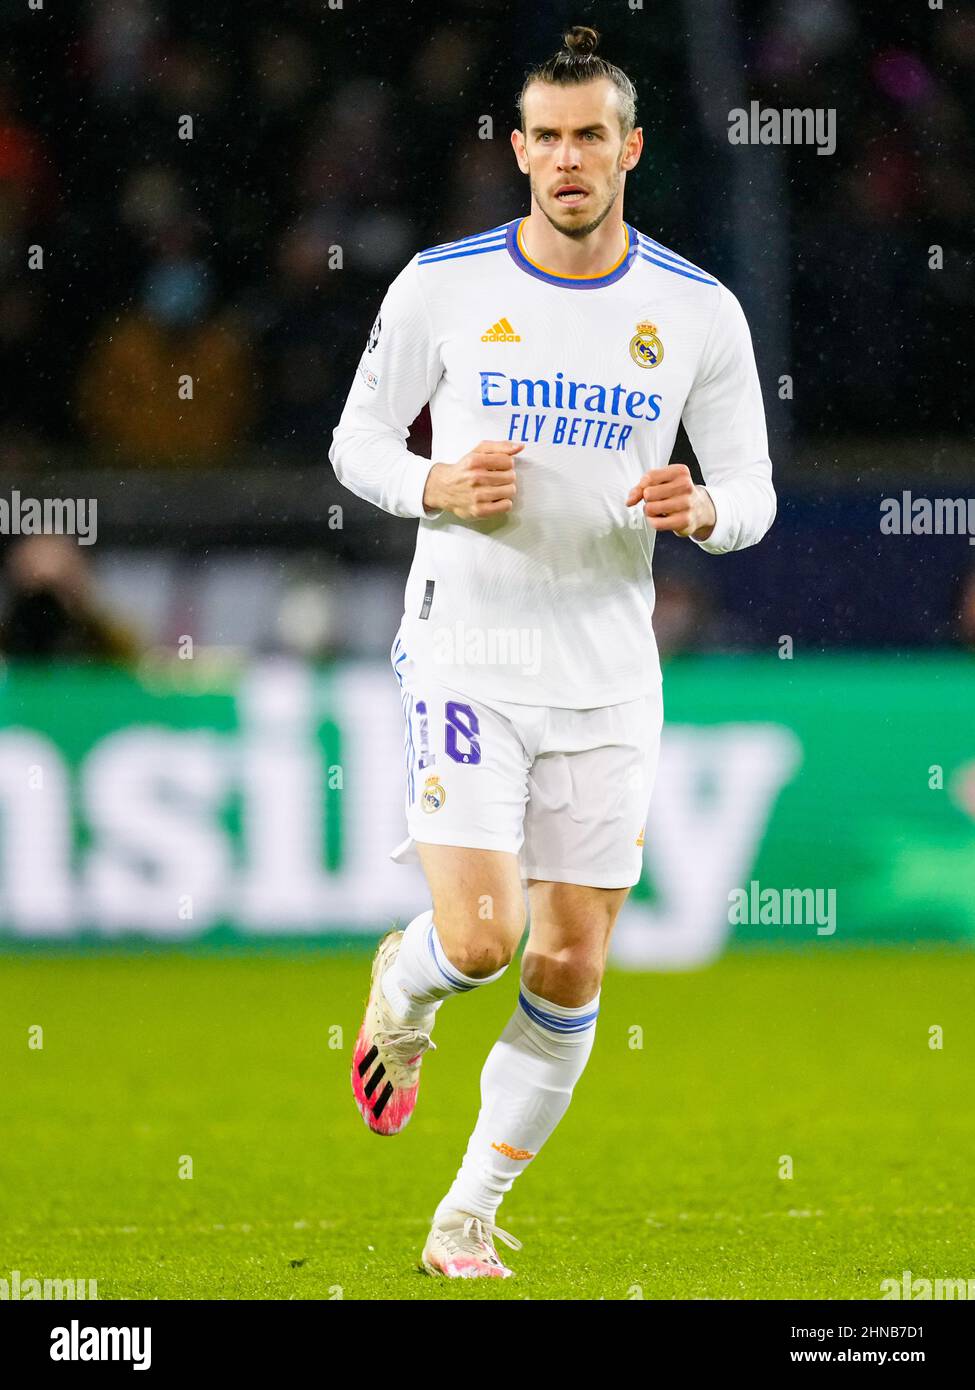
662 1181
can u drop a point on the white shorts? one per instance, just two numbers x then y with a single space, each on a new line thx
567 790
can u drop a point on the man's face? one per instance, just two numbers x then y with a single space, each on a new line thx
574 153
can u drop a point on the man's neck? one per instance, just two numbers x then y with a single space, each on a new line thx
591 255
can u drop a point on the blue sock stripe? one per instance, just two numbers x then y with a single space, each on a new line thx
555 1022
455 982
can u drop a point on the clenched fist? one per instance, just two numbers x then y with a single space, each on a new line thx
672 501
481 484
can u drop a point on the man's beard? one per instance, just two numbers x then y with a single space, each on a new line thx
577 233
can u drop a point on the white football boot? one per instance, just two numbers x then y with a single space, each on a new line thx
461 1246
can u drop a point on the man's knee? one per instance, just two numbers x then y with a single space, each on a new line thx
478 957
566 953
478 906
478 948
570 975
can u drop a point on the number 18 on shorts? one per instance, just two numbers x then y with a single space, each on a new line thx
565 789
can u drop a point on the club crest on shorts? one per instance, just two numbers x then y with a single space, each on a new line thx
646 349
433 795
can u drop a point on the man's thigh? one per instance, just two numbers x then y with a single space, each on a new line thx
478 904
589 791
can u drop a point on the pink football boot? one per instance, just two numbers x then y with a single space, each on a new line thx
387 1056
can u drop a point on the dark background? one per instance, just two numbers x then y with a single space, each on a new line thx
358 128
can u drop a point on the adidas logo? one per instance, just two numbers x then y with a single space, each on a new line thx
501 332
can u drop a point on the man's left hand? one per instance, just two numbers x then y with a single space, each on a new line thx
672 501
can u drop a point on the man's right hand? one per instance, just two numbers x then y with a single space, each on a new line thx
480 485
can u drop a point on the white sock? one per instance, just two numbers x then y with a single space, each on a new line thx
421 977
526 1086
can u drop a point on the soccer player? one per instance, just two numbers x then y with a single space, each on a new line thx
558 352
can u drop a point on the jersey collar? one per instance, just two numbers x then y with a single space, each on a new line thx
516 251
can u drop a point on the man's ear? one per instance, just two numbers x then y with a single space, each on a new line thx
633 148
518 145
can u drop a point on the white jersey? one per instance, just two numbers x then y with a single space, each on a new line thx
550 603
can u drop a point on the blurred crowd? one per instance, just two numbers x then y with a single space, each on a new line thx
329 144
60 602
882 272
203 301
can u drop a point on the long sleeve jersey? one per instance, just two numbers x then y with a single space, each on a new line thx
551 603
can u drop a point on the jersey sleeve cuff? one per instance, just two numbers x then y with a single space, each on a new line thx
722 537
414 484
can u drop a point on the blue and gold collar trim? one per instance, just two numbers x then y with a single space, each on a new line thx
517 252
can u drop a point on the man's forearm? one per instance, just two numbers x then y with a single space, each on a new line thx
379 468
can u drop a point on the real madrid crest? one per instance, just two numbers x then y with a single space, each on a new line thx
433 795
646 349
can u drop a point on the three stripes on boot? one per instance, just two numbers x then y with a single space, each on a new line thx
374 1081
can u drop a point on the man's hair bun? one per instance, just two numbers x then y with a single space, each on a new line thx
580 41
576 63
